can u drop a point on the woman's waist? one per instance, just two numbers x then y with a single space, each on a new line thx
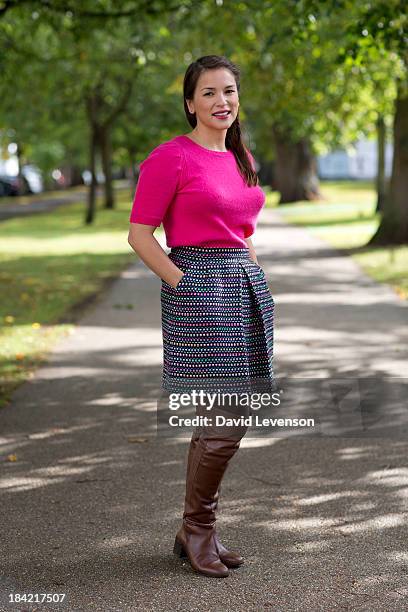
193 253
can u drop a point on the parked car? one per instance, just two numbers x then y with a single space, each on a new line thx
9 185
30 182
32 176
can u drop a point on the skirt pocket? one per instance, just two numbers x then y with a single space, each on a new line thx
184 281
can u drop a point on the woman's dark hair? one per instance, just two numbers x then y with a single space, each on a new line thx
233 139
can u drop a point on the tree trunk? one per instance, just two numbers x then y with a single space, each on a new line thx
90 212
106 157
393 228
20 161
100 139
295 169
380 183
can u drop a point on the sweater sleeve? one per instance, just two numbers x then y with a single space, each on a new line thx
157 184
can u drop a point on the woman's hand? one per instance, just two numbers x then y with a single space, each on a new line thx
179 280
252 253
143 242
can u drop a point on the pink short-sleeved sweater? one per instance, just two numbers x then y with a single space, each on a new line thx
198 194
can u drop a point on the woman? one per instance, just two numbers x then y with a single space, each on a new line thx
217 311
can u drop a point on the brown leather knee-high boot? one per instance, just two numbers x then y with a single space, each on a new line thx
195 538
228 557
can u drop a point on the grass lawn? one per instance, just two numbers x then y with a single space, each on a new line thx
346 219
51 265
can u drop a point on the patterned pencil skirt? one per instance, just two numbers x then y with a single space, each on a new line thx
217 324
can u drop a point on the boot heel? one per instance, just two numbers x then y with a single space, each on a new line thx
178 549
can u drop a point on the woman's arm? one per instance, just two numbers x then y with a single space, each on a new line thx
143 242
251 250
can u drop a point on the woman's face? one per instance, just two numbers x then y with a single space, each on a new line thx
215 91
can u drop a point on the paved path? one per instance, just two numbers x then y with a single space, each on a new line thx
91 505
38 204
